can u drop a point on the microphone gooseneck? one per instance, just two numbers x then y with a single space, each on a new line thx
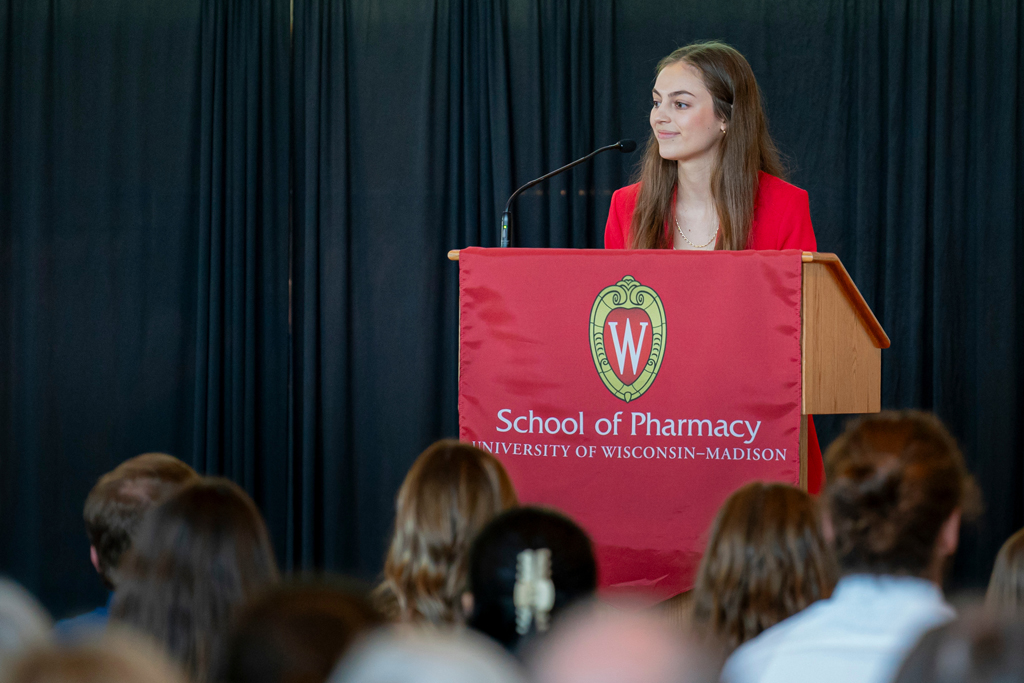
625 146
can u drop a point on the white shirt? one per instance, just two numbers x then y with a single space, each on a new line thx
859 635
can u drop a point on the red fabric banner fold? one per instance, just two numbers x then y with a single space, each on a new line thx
633 390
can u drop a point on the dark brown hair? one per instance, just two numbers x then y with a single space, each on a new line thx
117 503
1005 595
744 150
452 490
893 480
766 560
295 634
196 559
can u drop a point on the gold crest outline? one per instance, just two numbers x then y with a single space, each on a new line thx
627 293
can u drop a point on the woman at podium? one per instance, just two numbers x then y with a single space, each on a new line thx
710 176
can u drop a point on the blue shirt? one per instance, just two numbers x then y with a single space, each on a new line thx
84 624
859 635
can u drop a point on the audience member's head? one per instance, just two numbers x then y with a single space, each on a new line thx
766 560
1005 594
120 499
117 657
295 634
975 649
897 486
23 621
450 492
526 566
427 656
597 643
196 559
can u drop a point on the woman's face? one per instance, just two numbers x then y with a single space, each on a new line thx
683 115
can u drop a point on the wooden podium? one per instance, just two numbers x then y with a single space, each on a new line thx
841 346
841 343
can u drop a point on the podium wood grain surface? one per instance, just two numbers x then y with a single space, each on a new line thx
842 342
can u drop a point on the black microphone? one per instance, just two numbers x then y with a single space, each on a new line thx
625 146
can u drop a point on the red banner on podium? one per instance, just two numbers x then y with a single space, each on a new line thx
633 390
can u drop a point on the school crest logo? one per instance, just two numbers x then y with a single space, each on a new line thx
627 337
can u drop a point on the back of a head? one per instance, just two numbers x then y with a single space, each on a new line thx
450 492
1005 595
894 480
766 560
974 649
196 559
120 499
427 656
295 634
117 657
23 621
597 643
496 571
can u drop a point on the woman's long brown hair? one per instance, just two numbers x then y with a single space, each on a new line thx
745 149
197 558
451 491
766 560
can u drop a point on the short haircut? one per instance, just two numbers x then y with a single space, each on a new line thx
296 633
893 480
766 560
117 503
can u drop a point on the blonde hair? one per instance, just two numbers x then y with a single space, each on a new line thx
745 150
116 657
452 490
1005 595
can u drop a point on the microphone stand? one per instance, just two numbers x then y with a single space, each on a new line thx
625 146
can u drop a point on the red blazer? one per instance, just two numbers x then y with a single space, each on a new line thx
782 217
782 220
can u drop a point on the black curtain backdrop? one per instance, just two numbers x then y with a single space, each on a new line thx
98 240
174 180
240 383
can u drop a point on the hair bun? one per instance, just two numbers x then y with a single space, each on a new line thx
894 479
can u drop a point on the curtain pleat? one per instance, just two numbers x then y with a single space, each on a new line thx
240 415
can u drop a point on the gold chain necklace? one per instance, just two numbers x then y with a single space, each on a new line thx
695 246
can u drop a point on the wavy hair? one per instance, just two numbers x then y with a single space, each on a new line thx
766 560
452 490
744 150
